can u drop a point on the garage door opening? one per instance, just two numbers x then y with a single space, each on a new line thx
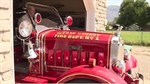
74 8
65 8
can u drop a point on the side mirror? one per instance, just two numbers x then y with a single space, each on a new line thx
38 18
68 20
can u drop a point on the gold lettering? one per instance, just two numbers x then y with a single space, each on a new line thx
73 37
76 37
96 38
61 36
87 37
55 35
58 36
63 32
83 33
91 38
91 34
69 36
67 32
81 37
94 34
72 32
64 36
58 32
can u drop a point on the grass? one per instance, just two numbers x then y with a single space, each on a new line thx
135 37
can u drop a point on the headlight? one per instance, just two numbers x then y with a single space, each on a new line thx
127 55
119 66
25 28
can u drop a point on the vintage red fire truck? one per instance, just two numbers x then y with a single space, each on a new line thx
51 53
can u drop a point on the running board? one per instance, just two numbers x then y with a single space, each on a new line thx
32 79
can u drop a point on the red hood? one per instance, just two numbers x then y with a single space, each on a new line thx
78 36
79 41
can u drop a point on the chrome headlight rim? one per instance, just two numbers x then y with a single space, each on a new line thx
25 29
119 65
127 54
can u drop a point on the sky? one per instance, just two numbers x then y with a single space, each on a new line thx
117 2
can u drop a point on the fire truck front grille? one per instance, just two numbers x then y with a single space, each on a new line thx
69 58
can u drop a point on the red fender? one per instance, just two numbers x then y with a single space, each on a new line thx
131 63
96 73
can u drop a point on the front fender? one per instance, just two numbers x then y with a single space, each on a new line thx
97 73
131 63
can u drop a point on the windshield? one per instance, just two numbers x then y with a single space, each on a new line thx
50 15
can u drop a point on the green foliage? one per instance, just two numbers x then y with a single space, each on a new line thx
134 12
126 13
107 27
140 9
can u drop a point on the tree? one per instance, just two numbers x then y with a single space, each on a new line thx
133 12
140 9
126 13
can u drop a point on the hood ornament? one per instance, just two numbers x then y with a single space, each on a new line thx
117 33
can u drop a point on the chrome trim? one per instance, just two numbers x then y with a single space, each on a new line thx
43 51
113 50
116 50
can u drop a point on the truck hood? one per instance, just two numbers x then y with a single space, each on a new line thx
70 44
77 36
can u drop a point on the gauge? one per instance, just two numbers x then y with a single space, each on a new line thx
25 28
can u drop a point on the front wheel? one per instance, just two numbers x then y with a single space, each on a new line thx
82 80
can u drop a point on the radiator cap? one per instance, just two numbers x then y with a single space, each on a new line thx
92 62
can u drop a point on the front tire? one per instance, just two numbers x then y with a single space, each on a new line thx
81 80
